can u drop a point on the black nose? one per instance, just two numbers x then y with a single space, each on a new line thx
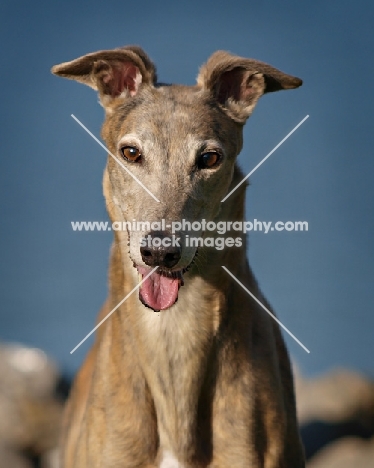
160 248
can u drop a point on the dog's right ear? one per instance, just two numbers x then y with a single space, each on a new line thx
117 72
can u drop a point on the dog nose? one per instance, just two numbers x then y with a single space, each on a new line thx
160 249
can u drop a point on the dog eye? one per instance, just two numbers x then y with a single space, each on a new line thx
208 160
131 153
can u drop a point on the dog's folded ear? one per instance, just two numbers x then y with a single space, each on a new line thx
237 83
111 72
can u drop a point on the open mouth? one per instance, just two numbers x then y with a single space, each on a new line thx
160 290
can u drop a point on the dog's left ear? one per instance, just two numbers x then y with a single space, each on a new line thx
237 83
111 72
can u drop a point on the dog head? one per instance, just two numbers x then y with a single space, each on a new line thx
173 151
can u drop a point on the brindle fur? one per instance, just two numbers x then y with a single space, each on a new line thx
207 382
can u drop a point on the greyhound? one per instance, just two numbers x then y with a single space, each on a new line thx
188 372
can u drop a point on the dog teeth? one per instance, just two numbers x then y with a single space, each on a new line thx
140 277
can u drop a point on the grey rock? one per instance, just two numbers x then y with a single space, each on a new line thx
11 459
50 459
26 370
336 396
345 453
30 414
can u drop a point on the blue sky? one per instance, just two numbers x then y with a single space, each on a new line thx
53 281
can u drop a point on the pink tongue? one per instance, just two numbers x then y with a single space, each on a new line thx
157 291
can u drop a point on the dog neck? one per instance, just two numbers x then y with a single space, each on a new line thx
175 365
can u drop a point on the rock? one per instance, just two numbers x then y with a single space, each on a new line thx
336 415
27 371
345 453
30 413
11 459
50 459
337 396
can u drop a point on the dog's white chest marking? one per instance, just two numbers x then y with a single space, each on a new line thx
169 461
